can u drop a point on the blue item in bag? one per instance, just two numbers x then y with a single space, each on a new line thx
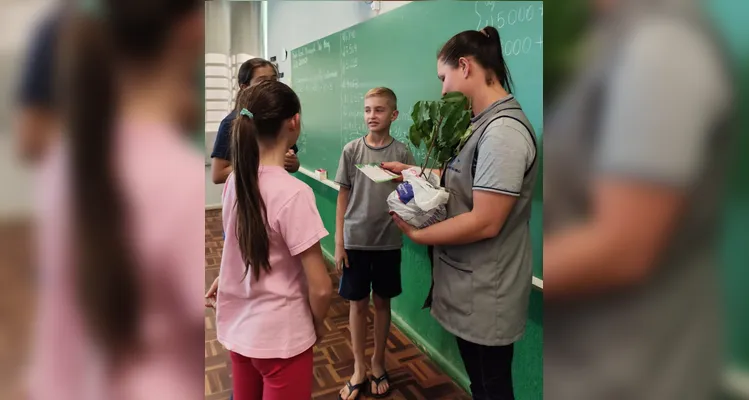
405 192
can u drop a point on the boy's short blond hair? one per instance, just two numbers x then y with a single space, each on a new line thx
383 92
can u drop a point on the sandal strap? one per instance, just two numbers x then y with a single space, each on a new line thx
383 377
358 386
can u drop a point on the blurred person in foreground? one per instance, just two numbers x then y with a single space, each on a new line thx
636 150
121 218
37 115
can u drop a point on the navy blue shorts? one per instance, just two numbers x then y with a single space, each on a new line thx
371 270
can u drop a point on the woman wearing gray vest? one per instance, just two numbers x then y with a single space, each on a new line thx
482 251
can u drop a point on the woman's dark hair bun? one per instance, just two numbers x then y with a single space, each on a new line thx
493 35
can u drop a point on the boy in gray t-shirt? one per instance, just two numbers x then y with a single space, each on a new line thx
368 243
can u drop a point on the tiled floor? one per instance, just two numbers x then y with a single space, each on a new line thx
16 304
412 374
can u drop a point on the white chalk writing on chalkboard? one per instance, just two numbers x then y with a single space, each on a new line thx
348 35
350 63
487 15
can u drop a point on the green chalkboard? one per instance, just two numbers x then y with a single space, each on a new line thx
399 50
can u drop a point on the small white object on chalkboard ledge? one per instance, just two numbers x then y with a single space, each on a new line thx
321 174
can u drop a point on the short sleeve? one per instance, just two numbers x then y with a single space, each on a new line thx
222 145
505 152
645 140
300 223
342 175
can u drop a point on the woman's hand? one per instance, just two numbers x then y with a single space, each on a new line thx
396 168
210 295
404 226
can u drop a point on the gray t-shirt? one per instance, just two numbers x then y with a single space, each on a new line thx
367 224
506 152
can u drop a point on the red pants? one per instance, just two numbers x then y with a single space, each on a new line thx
272 379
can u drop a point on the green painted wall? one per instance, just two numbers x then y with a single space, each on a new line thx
423 330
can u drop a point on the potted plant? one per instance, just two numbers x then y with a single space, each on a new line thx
443 126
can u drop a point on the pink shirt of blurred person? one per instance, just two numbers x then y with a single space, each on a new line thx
166 212
123 150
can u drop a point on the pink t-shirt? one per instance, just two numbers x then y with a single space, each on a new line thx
160 176
269 317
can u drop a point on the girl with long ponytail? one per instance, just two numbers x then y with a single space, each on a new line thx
273 289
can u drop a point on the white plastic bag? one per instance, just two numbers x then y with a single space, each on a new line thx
433 179
418 201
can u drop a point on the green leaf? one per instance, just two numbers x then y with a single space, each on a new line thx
441 126
453 97
448 125
426 111
425 127
434 111
464 137
464 123
414 135
444 155
416 112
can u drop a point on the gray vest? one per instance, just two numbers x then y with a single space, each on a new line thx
481 290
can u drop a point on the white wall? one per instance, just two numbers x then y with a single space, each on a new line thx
294 23
233 35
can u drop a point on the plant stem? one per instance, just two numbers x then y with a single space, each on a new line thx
431 147
426 159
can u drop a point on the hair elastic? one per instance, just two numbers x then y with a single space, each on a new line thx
247 113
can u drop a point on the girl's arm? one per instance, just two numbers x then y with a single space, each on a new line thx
302 228
318 281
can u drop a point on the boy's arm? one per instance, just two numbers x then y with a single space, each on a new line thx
342 179
341 206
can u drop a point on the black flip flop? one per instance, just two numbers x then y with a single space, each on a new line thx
377 382
351 389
